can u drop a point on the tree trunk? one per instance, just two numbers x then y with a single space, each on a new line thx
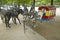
33 5
51 2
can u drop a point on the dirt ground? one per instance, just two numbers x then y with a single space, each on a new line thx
49 29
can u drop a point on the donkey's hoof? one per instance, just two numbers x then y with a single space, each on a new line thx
9 26
20 23
16 23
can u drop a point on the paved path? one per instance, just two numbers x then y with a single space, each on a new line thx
16 32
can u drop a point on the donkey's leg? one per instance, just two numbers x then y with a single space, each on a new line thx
3 19
7 21
14 20
18 19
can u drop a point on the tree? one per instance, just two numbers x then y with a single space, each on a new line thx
3 1
22 2
51 2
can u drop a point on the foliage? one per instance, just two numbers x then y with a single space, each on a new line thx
47 2
15 1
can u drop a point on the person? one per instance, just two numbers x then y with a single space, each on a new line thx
32 9
25 9
43 11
